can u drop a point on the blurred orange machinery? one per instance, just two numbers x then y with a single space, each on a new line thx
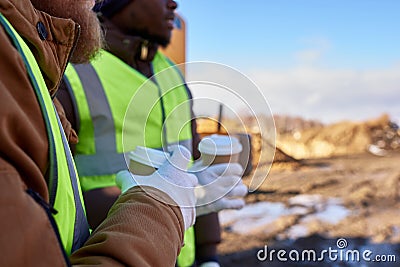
176 50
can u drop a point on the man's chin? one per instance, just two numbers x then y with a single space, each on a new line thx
161 41
164 45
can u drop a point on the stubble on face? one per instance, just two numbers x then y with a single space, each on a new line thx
91 37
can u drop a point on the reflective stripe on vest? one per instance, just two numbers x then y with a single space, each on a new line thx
104 91
64 190
106 159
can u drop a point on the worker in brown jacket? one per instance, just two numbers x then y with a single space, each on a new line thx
42 217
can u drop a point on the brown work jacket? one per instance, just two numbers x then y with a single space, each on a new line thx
139 231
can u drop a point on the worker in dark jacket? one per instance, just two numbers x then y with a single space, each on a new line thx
42 215
134 32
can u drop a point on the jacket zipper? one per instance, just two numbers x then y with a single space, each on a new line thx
50 211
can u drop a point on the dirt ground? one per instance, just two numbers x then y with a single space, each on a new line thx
365 185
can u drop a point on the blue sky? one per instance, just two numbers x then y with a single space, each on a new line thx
320 59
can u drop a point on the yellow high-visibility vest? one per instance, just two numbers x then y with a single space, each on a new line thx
118 109
64 188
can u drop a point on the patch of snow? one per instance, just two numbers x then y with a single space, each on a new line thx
377 151
297 231
262 215
253 211
305 200
332 214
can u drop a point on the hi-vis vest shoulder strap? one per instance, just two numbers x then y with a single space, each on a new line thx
64 189
118 109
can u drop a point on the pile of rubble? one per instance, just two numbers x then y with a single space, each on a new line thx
377 136
298 139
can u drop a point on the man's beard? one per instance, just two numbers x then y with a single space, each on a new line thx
91 38
161 40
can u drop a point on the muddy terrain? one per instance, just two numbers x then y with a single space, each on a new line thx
348 203
332 188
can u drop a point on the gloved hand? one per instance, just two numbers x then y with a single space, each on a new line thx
172 179
220 187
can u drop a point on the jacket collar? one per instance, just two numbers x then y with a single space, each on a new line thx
130 49
52 53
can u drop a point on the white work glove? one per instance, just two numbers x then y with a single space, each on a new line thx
220 187
172 179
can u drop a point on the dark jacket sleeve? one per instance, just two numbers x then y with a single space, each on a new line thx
207 227
69 108
195 135
70 133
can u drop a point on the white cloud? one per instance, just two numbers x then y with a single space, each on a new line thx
325 94
331 94
309 55
317 47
